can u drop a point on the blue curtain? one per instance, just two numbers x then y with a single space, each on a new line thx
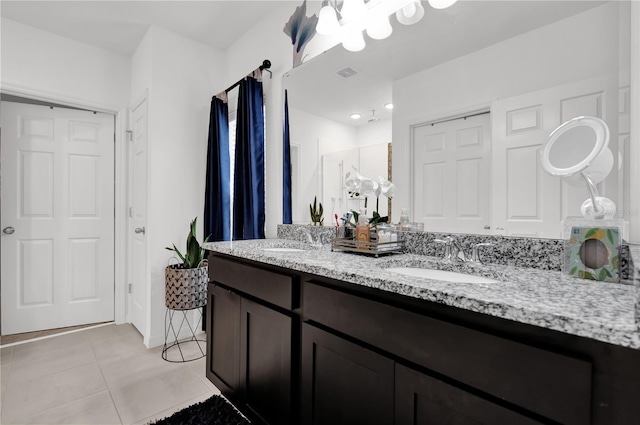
217 194
248 192
286 166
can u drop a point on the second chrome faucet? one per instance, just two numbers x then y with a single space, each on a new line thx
453 251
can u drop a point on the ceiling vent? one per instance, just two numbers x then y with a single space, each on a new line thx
347 72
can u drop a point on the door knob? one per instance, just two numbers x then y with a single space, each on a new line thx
140 230
8 230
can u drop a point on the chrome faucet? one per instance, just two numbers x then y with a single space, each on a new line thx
316 243
452 249
475 255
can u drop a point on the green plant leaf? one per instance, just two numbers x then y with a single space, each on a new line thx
602 275
591 232
177 251
615 262
610 236
573 270
608 272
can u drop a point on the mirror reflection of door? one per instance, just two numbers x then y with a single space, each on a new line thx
451 174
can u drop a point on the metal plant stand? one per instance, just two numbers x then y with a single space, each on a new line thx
189 348
185 291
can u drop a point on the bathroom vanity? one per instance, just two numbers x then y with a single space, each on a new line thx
303 336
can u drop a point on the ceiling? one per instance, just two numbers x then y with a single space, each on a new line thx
441 36
119 26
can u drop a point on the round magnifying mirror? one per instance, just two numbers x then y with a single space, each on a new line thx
577 150
576 145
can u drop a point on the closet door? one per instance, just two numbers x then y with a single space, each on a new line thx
526 200
57 217
451 163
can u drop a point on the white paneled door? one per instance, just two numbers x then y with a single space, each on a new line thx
451 186
57 217
137 264
526 200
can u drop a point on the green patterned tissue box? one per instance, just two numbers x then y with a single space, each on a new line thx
594 253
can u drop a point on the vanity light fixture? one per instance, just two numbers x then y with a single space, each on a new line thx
411 13
355 16
355 116
441 4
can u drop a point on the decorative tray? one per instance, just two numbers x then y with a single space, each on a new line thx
369 248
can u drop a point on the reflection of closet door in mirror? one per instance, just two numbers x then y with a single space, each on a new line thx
527 201
451 162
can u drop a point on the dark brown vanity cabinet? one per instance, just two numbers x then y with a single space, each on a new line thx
249 344
343 383
423 400
293 348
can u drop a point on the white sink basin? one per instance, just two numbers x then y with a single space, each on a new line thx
283 250
440 275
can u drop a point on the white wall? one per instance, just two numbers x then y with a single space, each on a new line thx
375 133
315 136
569 50
39 64
181 75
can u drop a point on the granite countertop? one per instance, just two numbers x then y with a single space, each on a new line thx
602 311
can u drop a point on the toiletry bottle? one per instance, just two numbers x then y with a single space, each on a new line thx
404 219
362 232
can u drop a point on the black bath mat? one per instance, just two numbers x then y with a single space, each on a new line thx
213 411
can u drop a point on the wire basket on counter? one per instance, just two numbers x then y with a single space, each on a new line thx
387 241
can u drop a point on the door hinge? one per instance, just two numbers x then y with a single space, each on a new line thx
130 135
130 212
131 288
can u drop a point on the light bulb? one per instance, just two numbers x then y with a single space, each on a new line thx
327 21
411 13
379 27
353 41
441 4
353 9
355 116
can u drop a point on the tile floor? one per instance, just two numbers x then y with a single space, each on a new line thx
103 375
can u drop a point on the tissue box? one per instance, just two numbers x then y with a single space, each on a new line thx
594 253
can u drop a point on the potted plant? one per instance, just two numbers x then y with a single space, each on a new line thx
186 282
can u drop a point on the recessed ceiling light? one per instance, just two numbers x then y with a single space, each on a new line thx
355 116
388 105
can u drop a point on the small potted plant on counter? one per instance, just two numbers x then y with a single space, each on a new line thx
186 282
316 212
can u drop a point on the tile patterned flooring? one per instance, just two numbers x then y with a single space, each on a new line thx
103 375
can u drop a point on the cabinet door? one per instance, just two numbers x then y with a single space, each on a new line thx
423 400
343 383
223 340
265 362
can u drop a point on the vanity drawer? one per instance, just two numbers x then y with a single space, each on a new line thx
270 286
553 385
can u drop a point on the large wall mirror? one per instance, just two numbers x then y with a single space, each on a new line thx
477 88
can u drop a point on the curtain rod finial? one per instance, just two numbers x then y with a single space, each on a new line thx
266 64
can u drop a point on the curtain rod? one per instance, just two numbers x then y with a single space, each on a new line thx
266 64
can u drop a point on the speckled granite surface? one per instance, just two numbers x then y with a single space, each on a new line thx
549 299
543 254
